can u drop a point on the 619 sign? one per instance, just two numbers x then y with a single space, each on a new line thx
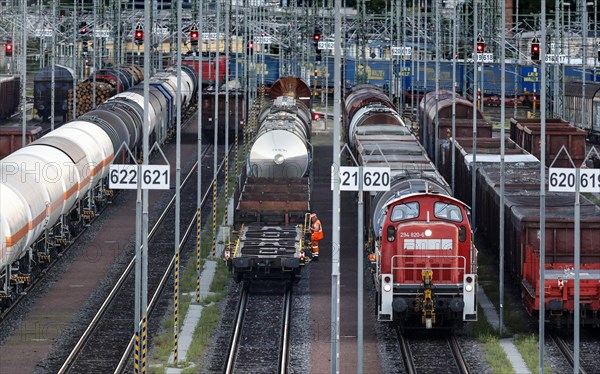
563 180
373 178
154 177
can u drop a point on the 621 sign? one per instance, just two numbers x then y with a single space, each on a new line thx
373 178
154 177
564 179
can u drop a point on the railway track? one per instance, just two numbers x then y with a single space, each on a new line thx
260 339
429 353
105 344
566 350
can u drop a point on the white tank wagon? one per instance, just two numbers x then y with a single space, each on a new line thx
281 148
51 188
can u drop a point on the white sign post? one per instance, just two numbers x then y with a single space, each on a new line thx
564 180
402 51
485 57
373 178
325 45
154 177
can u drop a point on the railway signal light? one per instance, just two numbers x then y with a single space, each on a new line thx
139 35
480 44
480 47
83 28
84 48
194 36
250 47
318 57
535 51
8 49
316 37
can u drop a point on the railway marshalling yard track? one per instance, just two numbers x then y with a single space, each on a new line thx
256 346
431 352
107 342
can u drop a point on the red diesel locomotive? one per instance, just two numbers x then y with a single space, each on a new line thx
425 262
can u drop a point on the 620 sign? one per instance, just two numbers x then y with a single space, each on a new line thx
373 178
563 180
154 177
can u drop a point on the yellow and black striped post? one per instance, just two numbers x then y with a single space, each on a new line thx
137 353
237 155
176 309
198 251
144 343
226 186
214 241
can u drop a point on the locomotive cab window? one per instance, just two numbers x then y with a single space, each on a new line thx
447 211
405 211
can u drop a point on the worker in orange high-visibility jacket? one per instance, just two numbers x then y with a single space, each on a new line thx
316 231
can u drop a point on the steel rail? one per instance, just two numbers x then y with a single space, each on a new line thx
117 287
237 332
123 361
409 363
565 350
461 363
285 337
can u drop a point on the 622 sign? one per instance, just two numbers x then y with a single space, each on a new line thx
154 177
373 178
563 180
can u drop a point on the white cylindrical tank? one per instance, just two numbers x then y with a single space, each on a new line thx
281 148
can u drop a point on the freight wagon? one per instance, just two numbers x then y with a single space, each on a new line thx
273 202
42 91
10 89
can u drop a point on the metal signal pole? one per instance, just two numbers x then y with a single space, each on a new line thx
542 279
177 192
335 237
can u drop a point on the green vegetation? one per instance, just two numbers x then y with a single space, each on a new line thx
495 355
163 342
528 346
488 276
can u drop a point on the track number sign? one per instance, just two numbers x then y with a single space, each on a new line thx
154 177
373 178
563 180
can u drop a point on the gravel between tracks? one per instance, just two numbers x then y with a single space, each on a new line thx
213 359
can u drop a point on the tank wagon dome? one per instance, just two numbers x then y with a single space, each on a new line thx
281 148
291 87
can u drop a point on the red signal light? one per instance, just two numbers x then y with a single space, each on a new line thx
139 35
480 47
535 52
8 49
194 35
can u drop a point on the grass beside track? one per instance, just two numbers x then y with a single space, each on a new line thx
162 343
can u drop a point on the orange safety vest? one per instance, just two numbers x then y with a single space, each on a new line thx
317 230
